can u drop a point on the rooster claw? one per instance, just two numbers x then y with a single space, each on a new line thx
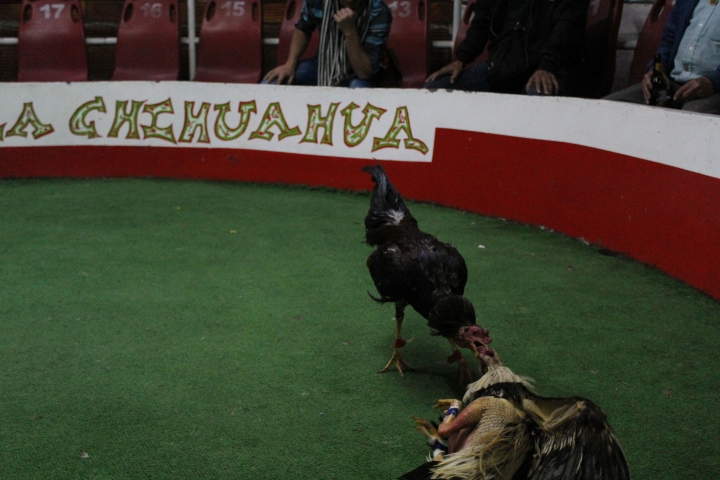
445 403
426 428
399 363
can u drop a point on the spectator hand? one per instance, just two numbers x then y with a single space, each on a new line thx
281 73
700 87
345 19
647 85
453 69
545 82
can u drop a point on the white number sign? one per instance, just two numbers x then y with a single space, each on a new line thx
236 9
401 9
153 10
57 7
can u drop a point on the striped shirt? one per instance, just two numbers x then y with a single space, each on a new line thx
374 42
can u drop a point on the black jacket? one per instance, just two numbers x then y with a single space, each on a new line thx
524 36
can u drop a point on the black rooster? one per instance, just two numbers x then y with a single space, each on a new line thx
410 267
507 432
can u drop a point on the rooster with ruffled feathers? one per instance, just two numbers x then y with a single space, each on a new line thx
508 432
411 267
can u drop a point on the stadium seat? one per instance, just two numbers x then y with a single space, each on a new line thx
649 39
291 17
230 48
148 41
408 40
51 42
603 24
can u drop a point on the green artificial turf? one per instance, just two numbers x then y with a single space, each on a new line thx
165 329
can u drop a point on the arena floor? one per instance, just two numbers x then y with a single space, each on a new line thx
176 329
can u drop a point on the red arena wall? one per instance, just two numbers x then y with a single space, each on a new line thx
607 190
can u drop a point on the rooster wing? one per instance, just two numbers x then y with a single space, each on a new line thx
574 441
419 269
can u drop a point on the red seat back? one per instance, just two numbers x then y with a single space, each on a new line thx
650 38
148 41
408 40
230 48
287 29
51 42
601 32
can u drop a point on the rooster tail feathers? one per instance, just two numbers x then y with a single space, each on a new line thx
450 314
387 207
384 196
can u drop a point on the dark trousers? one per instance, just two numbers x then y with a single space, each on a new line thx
634 94
474 79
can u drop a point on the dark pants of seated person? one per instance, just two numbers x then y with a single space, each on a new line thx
306 73
634 94
474 79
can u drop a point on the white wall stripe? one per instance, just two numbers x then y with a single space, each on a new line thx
683 140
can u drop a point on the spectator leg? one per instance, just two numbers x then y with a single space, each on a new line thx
709 104
353 82
474 79
358 83
567 79
306 72
632 94
533 91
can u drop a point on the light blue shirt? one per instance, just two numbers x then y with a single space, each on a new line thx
699 50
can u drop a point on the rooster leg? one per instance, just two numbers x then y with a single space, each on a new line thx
465 373
396 358
438 447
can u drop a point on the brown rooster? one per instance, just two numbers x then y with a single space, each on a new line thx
507 432
411 267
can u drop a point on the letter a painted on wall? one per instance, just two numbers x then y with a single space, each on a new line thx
401 123
222 130
77 121
274 117
29 118
355 134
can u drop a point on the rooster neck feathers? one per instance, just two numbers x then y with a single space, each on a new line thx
450 313
497 373
388 211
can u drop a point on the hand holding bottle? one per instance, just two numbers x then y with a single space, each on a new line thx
656 85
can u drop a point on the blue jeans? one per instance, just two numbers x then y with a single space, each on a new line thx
306 73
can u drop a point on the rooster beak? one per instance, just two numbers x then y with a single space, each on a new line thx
474 348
